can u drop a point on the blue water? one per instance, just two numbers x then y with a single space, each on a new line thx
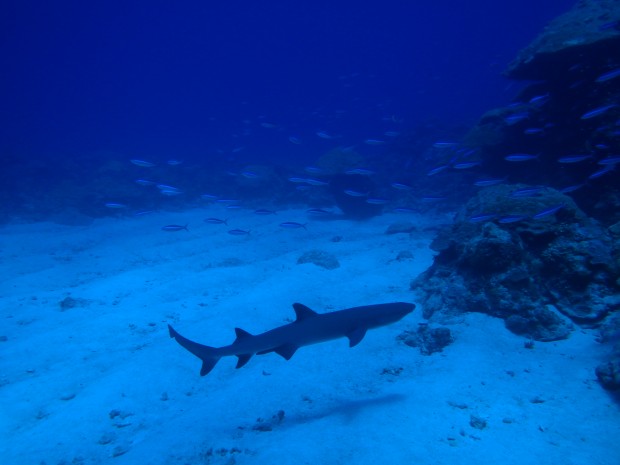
252 134
195 80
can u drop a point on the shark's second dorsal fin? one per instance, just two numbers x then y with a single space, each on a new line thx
302 312
241 334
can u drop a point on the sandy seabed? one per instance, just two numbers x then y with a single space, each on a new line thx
100 381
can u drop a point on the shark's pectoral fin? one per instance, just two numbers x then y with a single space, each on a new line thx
243 359
286 350
356 336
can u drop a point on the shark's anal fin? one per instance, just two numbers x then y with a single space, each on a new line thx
302 312
356 336
286 350
243 359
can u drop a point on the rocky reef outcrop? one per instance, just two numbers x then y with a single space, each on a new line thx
537 262
544 273
589 30
568 114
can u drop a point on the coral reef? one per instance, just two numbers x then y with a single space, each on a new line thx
525 269
428 340
589 29
568 118
528 253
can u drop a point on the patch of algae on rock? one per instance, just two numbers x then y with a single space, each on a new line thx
320 258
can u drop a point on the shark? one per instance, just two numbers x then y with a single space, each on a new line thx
308 328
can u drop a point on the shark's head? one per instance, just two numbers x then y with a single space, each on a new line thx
384 314
401 309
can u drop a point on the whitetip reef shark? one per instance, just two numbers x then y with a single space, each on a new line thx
308 328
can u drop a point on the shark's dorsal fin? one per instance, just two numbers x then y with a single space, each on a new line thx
286 350
241 334
356 336
302 312
243 359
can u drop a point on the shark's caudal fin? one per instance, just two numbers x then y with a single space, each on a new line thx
204 353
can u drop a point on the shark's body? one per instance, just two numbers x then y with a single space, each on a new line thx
308 328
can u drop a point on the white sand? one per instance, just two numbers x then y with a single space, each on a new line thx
64 372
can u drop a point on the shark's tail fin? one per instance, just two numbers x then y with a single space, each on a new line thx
205 353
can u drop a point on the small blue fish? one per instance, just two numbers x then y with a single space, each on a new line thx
238 232
519 157
488 182
512 219
598 111
444 145
602 147
482 217
316 182
292 225
602 172
533 131
170 192
548 211
142 163
166 187
400 186
609 25
216 221
612 160
574 158
144 182
354 193
318 212
115 205
465 165
614 73
144 212
527 192
360 171
377 201
250 174
516 118
314 170
374 142
539 100
294 140
175 227
570 189
437 170
264 211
